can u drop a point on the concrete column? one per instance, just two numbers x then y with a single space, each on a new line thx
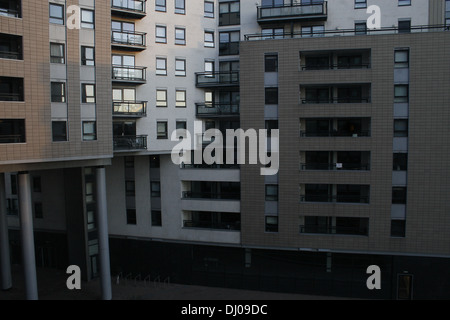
103 240
27 236
5 261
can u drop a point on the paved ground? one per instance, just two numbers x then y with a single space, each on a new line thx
52 286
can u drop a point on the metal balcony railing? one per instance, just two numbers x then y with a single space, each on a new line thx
130 143
130 108
335 199
335 100
16 138
316 11
129 73
217 79
131 39
335 133
330 230
137 6
11 55
217 110
210 166
10 12
334 166
11 97
211 195
347 32
213 225
336 66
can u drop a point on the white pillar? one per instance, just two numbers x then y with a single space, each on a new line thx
27 236
5 261
103 240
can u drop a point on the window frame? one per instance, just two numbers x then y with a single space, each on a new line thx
161 5
55 19
64 135
182 9
84 59
58 59
159 102
180 72
159 38
182 40
180 103
209 14
63 98
208 43
84 97
161 71
87 24
89 136
162 135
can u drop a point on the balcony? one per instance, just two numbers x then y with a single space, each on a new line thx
293 12
11 47
128 40
11 8
211 195
362 230
127 109
217 110
135 9
334 167
130 143
210 166
335 133
212 220
229 48
325 198
217 79
129 74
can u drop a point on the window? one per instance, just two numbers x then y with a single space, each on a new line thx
156 189
271 63
401 128
229 13
37 185
88 93
271 95
11 89
13 181
209 39
180 98
131 217
271 224
399 195
56 13
59 131
209 9
360 4
154 162
271 125
360 28
38 212
313 31
87 56
12 207
130 188
57 53
180 6
271 193
398 228
401 94
11 46
12 131
229 43
161 34
87 19
89 131
404 2
58 92
180 67
181 125
447 12
161 131
129 162
273 33
209 66
404 26
161 98
160 5
161 66
180 36
11 8
400 162
156 218
402 59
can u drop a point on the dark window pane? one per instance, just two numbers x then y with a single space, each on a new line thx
59 131
271 95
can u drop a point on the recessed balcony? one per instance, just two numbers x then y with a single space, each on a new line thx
130 143
128 40
128 109
217 79
129 74
205 110
11 8
135 9
317 11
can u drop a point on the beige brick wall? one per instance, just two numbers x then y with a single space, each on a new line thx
428 221
35 69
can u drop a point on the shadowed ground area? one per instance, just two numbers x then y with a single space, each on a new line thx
52 286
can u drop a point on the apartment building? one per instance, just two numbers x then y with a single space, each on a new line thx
87 123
